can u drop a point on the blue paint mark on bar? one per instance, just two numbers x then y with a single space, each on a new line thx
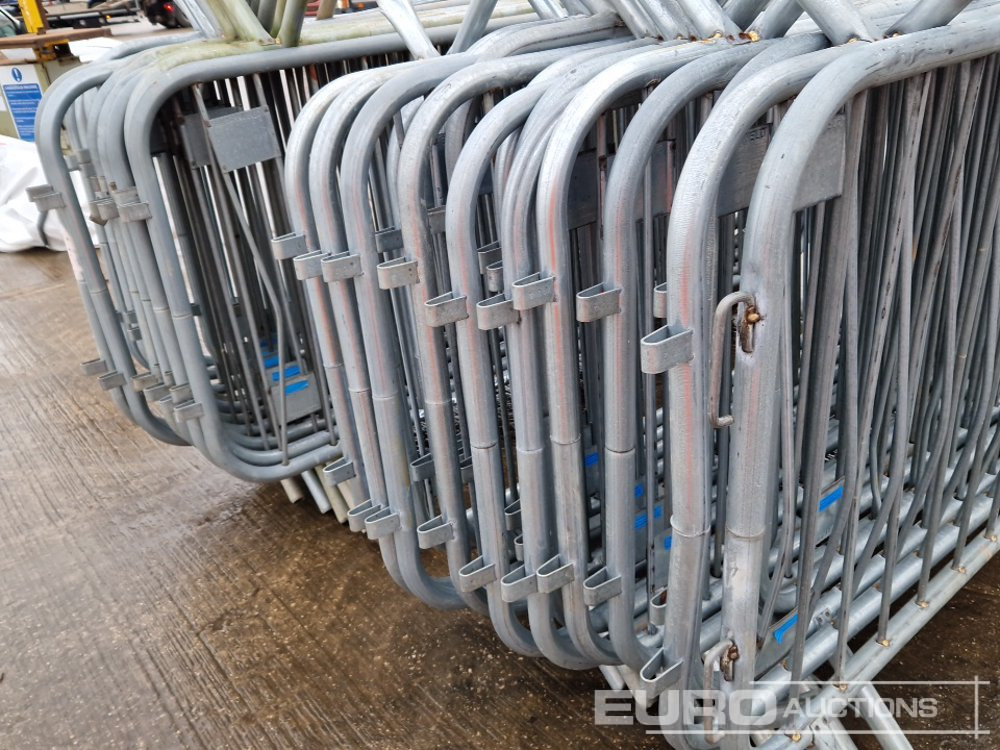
290 372
296 387
668 542
591 459
271 361
780 633
642 520
832 498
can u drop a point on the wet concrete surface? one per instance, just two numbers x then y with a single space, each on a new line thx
147 599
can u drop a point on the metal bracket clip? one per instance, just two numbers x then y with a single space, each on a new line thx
444 309
596 302
665 348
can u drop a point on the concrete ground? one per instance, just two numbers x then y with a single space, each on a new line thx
147 599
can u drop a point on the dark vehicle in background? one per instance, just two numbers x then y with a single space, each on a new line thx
98 13
165 13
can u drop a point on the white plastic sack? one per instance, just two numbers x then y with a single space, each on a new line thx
89 50
20 168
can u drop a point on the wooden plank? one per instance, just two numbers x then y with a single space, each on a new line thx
51 38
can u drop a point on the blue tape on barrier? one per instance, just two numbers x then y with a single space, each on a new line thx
643 519
780 633
832 498
290 372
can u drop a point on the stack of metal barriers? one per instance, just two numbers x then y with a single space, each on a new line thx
663 333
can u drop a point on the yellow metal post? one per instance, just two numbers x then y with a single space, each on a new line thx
33 15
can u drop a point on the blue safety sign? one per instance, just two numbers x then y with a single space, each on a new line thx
22 100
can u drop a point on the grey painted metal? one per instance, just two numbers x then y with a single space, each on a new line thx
403 18
927 15
839 20
473 354
708 19
422 131
885 62
560 341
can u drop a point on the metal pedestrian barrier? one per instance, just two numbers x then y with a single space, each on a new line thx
661 333
241 383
